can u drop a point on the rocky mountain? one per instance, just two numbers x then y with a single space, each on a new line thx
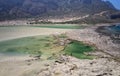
16 9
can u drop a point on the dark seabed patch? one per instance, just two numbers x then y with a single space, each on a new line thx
113 31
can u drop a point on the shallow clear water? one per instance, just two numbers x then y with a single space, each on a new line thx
10 56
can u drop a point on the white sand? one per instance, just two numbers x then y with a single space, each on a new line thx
7 33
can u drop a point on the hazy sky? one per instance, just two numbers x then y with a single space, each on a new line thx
116 3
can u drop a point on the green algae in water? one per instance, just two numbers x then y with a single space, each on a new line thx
45 46
36 45
78 50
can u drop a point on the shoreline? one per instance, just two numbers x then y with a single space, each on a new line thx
25 65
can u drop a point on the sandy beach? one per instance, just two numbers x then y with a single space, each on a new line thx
7 33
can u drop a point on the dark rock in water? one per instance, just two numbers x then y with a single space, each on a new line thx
109 30
113 31
115 28
116 16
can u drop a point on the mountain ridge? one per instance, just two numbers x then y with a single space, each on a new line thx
45 9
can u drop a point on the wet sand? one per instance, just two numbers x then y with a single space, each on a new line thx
20 65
